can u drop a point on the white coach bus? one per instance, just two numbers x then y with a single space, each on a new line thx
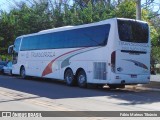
115 52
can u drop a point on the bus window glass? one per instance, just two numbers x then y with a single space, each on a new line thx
132 31
82 37
85 37
44 41
17 44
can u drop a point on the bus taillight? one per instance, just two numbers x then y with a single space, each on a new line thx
113 61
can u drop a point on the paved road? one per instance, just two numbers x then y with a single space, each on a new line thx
48 95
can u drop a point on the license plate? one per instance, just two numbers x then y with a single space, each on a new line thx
133 76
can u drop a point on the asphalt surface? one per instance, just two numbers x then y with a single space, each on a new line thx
35 94
154 84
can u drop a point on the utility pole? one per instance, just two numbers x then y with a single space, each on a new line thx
138 9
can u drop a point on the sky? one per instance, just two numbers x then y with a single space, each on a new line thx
9 4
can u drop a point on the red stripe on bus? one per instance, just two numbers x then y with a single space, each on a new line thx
48 68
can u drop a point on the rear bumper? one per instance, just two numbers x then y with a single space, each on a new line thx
127 79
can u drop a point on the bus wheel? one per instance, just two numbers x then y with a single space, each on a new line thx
23 73
82 79
69 77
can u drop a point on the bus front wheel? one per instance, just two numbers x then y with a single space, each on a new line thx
82 79
23 73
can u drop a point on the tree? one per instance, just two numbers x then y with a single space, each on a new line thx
23 20
7 31
36 15
127 9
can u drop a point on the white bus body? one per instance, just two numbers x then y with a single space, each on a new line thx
113 52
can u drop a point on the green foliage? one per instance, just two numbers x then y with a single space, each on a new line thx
155 41
126 9
41 15
153 36
5 57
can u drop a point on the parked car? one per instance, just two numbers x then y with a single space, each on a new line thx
2 64
8 68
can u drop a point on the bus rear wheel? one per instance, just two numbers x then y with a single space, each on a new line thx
69 77
82 79
23 73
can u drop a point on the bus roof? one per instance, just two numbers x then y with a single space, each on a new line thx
48 30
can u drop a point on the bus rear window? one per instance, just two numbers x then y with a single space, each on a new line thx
133 31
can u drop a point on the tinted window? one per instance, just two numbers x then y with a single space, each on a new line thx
133 31
17 44
83 37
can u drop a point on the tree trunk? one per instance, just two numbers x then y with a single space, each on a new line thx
138 9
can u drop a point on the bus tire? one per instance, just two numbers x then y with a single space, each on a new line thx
23 73
69 77
82 79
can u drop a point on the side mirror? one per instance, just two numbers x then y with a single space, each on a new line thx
10 49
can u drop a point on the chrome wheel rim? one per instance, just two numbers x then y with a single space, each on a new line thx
82 79
23 73
69 78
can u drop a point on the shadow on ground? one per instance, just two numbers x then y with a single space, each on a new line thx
58 90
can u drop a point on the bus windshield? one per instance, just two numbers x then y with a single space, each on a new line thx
133 31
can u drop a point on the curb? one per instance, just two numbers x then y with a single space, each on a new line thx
151 89
143 88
